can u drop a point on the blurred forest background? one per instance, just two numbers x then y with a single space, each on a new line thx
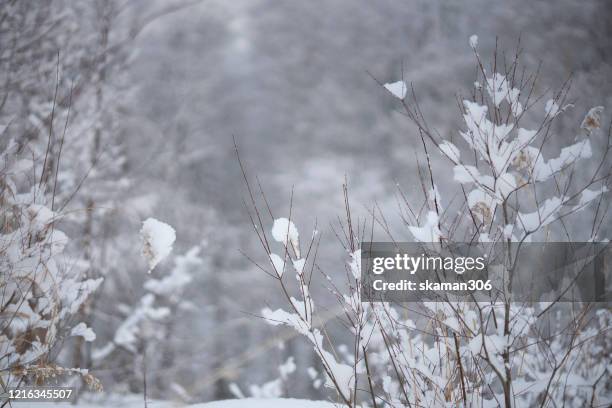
157 91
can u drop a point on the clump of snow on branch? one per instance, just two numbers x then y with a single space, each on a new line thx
157 240
450 150
430 231
82 330
397 89
552 109
278 263
473 41
284 231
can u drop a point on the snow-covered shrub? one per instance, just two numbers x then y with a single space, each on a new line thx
41 288
63 82
143 339
512 189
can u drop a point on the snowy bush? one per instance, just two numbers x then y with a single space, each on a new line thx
512 190
41 287
143 340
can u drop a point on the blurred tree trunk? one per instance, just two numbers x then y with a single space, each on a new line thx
82 355
220 388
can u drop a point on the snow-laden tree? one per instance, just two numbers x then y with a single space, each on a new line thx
62 87
512 189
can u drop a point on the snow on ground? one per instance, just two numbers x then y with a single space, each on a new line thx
136 401
266 403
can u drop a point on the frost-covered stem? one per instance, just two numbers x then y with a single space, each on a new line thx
431 177
392 358
461 374
483 325
506 357
357 341
44 173
367 366
144 376
507 318
594 387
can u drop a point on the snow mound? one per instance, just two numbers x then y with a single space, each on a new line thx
265 403
135 401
